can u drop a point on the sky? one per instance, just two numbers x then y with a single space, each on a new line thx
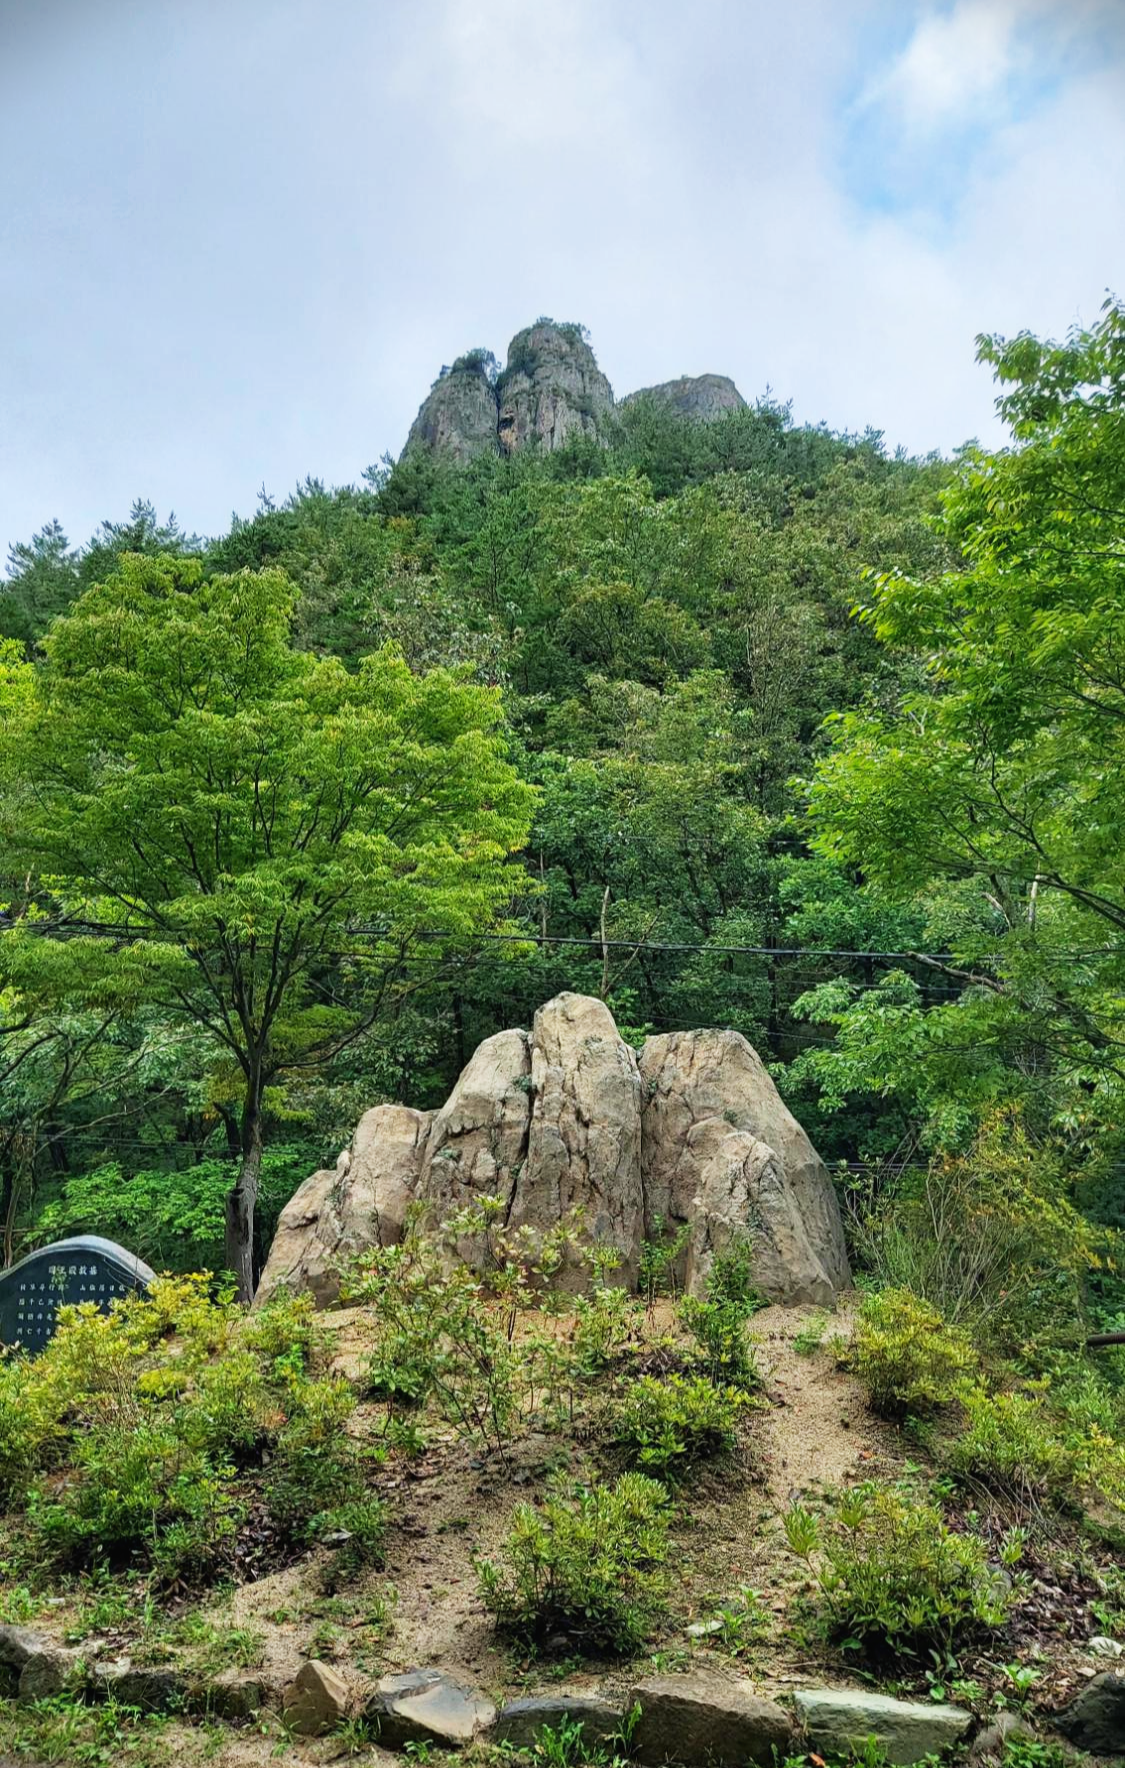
239 238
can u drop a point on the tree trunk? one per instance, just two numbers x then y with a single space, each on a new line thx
243 1196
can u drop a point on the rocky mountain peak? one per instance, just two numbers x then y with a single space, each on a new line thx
550 391
701 397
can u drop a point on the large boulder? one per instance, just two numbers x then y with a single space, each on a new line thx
552 390
584 1144
477 1142
564 1125
723 1153
361 1203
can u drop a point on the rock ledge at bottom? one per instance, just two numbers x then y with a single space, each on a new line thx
703 1718
842 1719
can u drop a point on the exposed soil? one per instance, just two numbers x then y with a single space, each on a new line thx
810 1434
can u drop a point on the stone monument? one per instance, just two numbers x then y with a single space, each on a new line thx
86 1268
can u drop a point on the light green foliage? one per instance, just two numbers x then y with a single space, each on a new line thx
991 1240
585 1565
669 1422
905 1354
997 773
158 1415
1034 1450
892 1577
179 770
658 1259
737 1624
717 1321
604 1320
173 1220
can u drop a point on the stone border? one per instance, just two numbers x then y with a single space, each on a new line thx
701 1716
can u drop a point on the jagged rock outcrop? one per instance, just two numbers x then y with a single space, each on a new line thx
698 397
360 1202
584 1145
552 390
723 1152
458 416
566 1119
477 1143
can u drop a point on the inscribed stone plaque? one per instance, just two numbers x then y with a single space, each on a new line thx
87 1268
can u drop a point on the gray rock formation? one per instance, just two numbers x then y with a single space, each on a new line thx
458 416
584 1145
1095 1719
552 390
840 1720
567 1119
723 1152
338 1212
428 1707
703 1717
698 397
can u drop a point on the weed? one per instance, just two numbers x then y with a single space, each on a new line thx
809 1339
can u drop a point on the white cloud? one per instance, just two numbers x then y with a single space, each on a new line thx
223 268
953 62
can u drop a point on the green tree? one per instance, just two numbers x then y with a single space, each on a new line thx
993 786
229 806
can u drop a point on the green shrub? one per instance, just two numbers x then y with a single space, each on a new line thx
893 1577
137 1437
317 1468
992 1241
1018 1446
586 1566
669 1423
906 1356
717 1321
141 1490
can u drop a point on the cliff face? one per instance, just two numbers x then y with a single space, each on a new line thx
458 416
550 391
700 398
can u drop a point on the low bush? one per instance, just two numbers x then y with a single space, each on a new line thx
908 1359
717 1321
585 1565
894 1579
1030 1448
141 1437
669 1423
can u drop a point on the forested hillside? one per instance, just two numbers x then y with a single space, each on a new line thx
744 729
680 642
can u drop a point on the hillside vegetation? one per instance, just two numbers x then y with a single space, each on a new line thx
728 723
